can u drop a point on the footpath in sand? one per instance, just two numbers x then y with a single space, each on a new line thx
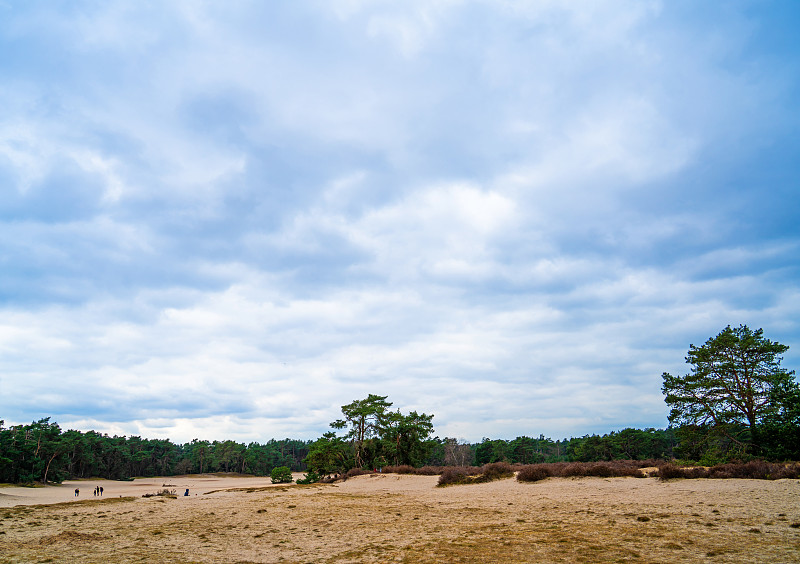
392 518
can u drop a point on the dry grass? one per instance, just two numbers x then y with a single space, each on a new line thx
394 518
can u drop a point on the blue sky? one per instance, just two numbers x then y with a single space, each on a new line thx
226 220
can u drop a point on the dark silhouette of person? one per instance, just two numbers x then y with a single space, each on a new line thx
77 491
186 492
101 491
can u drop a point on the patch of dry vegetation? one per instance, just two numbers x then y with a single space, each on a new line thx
753 470
460 475
612 469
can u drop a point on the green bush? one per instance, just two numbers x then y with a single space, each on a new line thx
310 478
281 475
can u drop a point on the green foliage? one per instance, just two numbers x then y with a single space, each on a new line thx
376 437
281 475
40 451
732 387
779 436
404 438
364 419
329 455
311 477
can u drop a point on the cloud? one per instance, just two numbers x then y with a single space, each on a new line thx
227 222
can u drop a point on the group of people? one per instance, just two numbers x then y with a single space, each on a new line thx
98 490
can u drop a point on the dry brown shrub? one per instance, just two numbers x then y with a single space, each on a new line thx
453 475
496 471
533 473
401 469
430 470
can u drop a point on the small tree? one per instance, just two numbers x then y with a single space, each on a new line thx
730 388
281 475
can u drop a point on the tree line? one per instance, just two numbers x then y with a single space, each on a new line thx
736 403
41 451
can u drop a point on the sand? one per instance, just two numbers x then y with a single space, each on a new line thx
392 518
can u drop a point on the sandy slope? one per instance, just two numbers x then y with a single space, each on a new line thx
390 518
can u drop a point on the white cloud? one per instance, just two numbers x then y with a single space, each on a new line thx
512 215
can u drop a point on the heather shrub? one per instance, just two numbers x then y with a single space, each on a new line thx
613 469
695 472
402 469
533 473
574 469
475 475
496 471
355 472
599 469
430 470
788 471
627 468
669 471
754 470
453 475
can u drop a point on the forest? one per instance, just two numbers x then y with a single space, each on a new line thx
41 451
736 404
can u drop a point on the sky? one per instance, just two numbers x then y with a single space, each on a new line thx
225 220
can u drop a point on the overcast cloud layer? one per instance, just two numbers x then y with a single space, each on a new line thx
226 220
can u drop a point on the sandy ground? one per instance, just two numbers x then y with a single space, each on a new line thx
197 485
391 518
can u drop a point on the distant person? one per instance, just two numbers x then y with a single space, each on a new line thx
77 491
101 491
186 492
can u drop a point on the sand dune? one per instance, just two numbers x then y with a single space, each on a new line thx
391 518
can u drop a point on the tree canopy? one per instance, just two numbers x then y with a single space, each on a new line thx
732 387
376 437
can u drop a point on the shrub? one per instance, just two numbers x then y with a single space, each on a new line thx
162 493
355 472
402 469
310 478
453 475
281 475
753 470
533 473
430 470
669 471
472 475
496 471
613 469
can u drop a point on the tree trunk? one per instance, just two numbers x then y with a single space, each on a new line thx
47 468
